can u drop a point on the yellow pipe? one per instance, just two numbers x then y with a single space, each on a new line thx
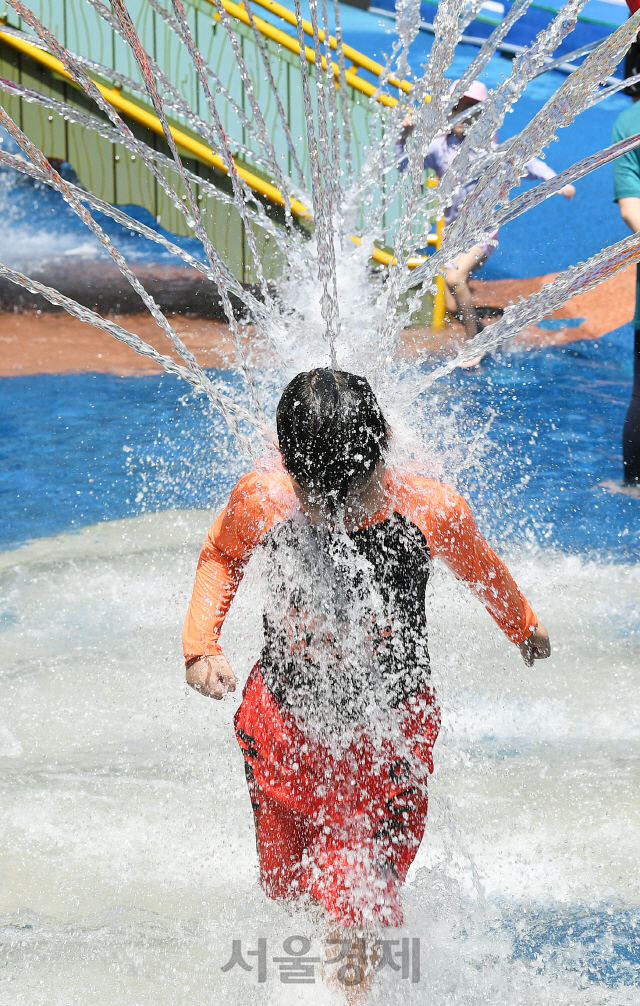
292 44
385 258
140 115
415 260
439 302
358 58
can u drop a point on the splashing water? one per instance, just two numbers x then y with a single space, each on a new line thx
489 905
369 315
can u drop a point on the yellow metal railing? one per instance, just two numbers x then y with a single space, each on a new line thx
385 258
152 122
287 42
439 308
357 58
207 156
415 260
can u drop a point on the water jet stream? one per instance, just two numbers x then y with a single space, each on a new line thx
504 896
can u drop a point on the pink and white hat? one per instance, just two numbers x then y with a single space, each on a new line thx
477 91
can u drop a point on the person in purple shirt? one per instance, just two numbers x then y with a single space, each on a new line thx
440 154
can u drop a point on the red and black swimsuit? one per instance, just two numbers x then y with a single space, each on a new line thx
337 722
346 624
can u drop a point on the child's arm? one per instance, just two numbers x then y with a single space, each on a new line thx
467 554
452 533
539 170
430 161
218 576
241 526
217 579
465 551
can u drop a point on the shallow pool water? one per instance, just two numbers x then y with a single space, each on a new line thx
129 864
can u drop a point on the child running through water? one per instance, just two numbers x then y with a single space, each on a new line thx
338 718
440 154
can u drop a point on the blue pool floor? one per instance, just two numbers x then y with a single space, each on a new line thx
82 448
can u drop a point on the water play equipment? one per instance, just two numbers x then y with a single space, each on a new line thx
193 146
389 205
130 105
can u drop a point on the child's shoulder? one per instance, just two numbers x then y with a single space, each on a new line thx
422 495
416 484
264 494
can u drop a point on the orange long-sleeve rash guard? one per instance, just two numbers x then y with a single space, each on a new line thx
262 499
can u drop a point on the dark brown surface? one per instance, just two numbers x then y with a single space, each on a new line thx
101 287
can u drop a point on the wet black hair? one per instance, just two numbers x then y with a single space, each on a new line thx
631 67
331 432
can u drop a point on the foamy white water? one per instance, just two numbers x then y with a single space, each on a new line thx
127 843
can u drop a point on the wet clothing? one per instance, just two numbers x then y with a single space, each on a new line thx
626 183
263 499
626 171
351 630
441 153
341 692
626 168
340 825
631 428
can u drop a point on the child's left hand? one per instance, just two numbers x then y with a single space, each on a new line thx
568 191
537 646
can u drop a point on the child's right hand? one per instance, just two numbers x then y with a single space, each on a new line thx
211 676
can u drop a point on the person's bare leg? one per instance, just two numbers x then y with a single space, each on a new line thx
457 281
449 299
353 970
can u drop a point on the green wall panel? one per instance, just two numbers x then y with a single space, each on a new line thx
113 173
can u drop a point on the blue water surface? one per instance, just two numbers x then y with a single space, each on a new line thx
557 416
601 943
82 448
